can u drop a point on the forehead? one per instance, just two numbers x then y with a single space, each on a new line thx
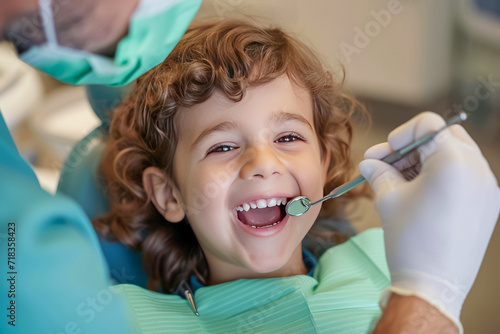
262 104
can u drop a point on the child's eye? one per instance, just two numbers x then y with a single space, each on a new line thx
289 138
219 148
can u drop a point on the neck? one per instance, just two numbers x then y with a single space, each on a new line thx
228 272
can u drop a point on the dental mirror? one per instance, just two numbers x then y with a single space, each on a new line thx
300 204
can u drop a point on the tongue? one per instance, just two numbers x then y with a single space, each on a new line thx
260 217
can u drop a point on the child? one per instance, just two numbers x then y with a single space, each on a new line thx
201 160
222 68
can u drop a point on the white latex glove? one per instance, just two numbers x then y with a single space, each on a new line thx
438 225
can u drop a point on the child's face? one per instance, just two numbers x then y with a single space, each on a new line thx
233 154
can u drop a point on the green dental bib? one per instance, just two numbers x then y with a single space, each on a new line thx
342 297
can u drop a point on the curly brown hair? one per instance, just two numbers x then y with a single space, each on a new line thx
226 56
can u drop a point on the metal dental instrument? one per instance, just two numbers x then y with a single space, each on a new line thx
300 204
188 293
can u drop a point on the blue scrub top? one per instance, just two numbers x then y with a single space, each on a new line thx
54 278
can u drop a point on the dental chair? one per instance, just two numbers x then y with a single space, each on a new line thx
79 181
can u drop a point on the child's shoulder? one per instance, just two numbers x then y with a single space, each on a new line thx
361 256
370 242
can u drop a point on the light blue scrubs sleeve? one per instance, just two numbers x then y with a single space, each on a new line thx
53 277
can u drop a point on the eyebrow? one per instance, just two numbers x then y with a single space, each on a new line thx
282 116
277 117
221 127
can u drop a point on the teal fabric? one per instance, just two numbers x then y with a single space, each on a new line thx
103 99
149 39
60 280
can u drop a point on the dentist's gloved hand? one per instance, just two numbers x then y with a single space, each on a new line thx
436 226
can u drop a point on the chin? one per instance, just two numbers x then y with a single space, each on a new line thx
265 265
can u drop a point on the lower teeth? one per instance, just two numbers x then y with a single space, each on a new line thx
265 225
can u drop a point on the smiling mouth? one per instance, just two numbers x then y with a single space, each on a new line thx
263 213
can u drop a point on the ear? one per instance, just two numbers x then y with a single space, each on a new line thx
163 193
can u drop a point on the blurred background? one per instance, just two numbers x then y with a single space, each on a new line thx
401 58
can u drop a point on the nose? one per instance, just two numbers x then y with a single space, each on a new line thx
261 162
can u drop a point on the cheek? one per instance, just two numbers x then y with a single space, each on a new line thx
311 174
206 190
314 182
199 184
205 197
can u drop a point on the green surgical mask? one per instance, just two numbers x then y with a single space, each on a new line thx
154 30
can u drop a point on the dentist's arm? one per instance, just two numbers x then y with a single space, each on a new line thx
436 226
413 315
53 270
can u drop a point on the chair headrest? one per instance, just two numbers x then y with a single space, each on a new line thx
79 178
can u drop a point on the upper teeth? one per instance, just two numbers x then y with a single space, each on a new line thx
262 203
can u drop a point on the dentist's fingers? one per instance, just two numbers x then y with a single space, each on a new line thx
378 151
447 143
416 128
444 144
409 165
459 132
405 134
381 176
